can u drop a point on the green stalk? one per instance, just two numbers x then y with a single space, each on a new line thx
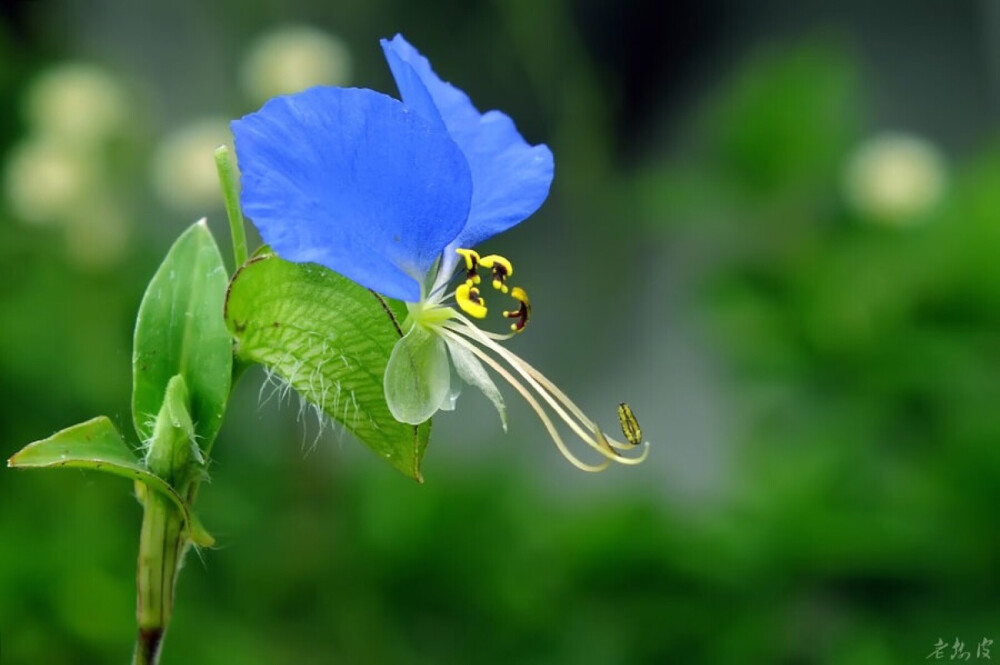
163 538
173 456
229 183
162 542
231 196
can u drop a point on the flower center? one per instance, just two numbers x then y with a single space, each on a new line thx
428 314
470 299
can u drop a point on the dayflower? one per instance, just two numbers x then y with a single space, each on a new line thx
395 195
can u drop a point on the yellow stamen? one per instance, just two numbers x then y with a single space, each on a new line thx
472 262
502 269
467 297
523 313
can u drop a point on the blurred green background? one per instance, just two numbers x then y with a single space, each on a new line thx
774 231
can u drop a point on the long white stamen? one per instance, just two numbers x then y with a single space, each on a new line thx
571 405
529 398
594 437
553 389
496 348
498 336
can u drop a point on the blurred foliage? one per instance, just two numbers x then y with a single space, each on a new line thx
861 359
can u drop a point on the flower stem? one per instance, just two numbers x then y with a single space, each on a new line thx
162 542
231 196
164 535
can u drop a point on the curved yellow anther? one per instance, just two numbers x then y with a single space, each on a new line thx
502 269
467 297
472 262
522 313
471 257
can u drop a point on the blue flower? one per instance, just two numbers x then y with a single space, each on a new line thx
377 189
394 195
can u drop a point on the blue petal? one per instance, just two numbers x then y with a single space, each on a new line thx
510 178
353 180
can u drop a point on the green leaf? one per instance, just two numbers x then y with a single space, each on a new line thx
97 445
330 339
180 330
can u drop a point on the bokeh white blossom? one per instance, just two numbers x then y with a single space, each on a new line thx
895 179
292 58
62 174
183 172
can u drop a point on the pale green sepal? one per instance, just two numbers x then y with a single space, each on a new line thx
472 372
417 377
450 400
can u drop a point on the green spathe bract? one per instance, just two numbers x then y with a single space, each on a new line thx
330 339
